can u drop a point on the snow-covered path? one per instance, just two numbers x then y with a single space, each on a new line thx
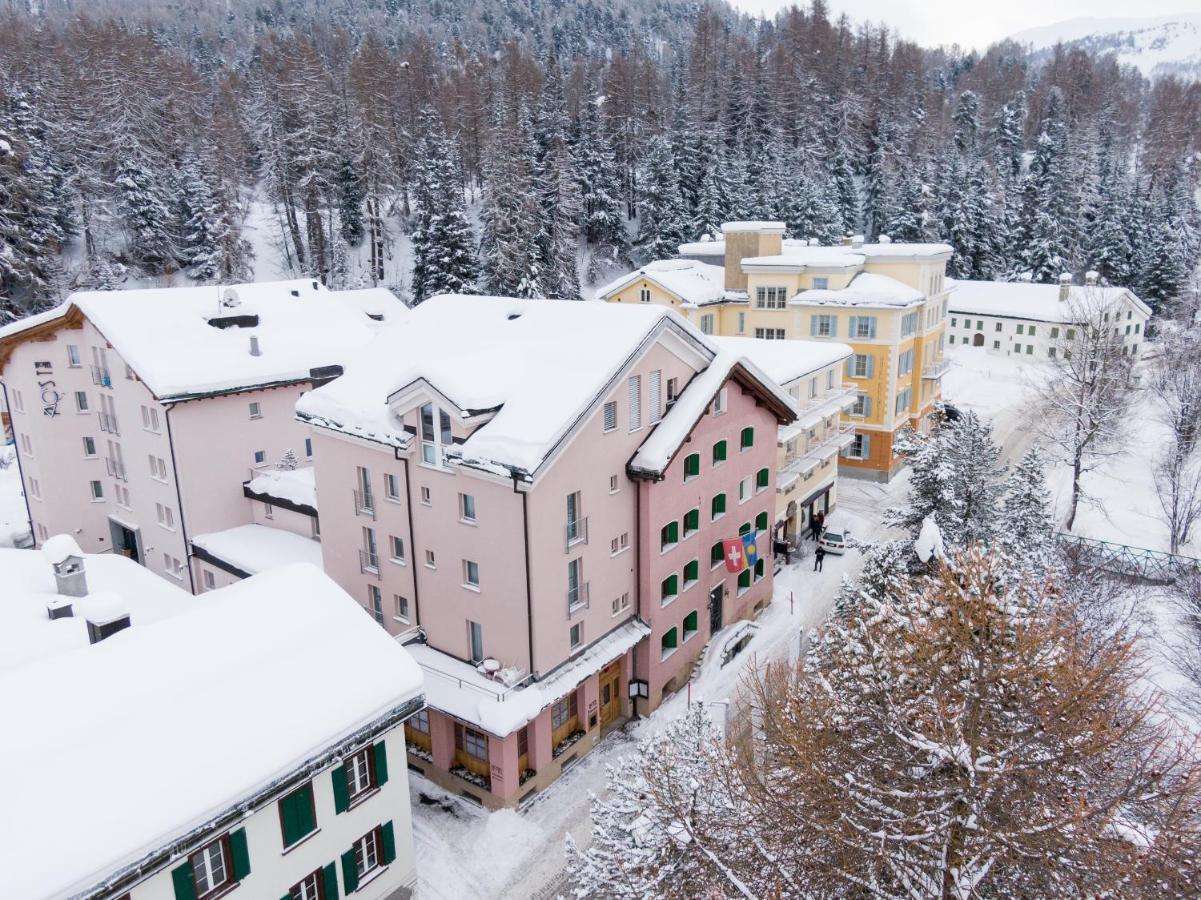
520 855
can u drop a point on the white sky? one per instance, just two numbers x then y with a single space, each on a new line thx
976 23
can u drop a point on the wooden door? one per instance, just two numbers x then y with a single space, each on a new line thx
610 692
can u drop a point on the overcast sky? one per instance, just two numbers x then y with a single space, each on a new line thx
976 22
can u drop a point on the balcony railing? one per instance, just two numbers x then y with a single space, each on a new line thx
369 562
108 423
101 376
577 598
576 532
116 468
936 369
801 464
364 504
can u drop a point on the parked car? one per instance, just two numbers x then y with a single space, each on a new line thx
836 538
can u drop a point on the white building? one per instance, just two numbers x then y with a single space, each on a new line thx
1017 318
160 746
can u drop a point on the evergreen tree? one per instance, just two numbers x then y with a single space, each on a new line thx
1027 528
145 212
875 183
908 214
660 207
199 248
557 186
843 175
443 243
599 178
511 257
352 191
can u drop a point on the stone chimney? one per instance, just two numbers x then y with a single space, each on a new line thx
747 239
1065 286
106 614
66 559
1091 277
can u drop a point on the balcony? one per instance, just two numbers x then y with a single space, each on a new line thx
116 468
108 423
814 411
364 504
101 376
576 532
577 598
799 467
369 562
935 370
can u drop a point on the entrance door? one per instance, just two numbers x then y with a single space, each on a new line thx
716 596
610 696
125 541
978 340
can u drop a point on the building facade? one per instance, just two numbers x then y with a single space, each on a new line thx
887 300
484 508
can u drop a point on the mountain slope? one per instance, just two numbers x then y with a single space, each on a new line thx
1157 45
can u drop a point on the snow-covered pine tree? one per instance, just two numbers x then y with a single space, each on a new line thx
142 197
842 173
288 461
443 244
599 178
1026 530
908 215
875 182
510 256
351 193
662 227
557 186
200 249
1048 195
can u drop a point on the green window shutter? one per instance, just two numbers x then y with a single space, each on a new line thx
748 437
692 571
719 504
350 874
240 852
296 815
761 522
744 578
692 520
389 842
185 884
287 896
692 465
719 451
330 875
716 553
674 531
762 477
744 528
690 621
669 639
381 763
341 790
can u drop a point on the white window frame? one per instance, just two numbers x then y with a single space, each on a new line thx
471 574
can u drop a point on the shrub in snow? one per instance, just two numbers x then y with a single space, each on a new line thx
288 461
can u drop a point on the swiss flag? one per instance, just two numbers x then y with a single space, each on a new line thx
735 557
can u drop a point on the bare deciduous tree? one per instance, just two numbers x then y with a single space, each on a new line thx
1175 387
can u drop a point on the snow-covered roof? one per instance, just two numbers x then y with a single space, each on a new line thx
113 727
295 486
865 289
656 452
731 227
695 283
461 690
165 336
807 258
258 548
27 634
534 367
1034 302
882 251
785 361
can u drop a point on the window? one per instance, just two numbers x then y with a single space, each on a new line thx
707 323
81 401
18 401
719 403
268 511
172 566
73 356
1029 349
89 446
210 580
370 558
401 608
821 284
669 535
426 497
211 866
256 411
904 398
150 418
376 600
692 522
471 573
829 379
644 295
690 624
391 486
577 591
434 441
429 559
420 721
611 416
1071 334
861 365
360 769
669 588
908 324
467 507
1051 352
905 363
862 327
719 452
1054 331
859 448
954 322
823 326
980 325
952 339
717 554
744 581
367 856
308 447
863 406
761 479
744 490
742 323
260 457
475 641
717 507
746 438
1032 330
363 494
576 527
1138 327
97 490
27 445
1020 328
692 466
761 522
692 573
769 334
634 389
575 635
1127 329
667 644
771 297
297 818
312 886
622 603
562 711
654 387
996 345
397 547
673 389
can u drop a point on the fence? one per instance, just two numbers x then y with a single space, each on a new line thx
1133 562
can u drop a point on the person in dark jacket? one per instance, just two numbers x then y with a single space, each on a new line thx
818 555
818 523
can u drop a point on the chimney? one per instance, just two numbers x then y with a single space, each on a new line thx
254 346
747 239
59 608
846 240
106 614
66 559
1065 286
1091 277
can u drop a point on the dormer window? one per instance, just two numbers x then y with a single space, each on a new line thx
434 440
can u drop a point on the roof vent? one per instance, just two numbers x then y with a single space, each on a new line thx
512 316
846 240
59 608
320 375
229 300
294 292
243 320
314 285
106 614
66 558
254 346
1091 277
1065 285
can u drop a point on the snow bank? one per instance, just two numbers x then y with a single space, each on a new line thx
258 548
291 663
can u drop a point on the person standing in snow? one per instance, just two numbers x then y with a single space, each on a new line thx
818 555
819 521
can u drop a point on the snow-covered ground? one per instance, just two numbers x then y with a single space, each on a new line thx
14 523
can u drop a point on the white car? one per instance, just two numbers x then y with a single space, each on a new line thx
835 538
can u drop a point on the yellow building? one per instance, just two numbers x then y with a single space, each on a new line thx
887 300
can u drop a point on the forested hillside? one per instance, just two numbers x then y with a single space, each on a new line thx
526 147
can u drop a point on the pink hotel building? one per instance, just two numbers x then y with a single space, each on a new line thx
531 495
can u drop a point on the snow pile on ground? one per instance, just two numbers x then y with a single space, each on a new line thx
258 548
